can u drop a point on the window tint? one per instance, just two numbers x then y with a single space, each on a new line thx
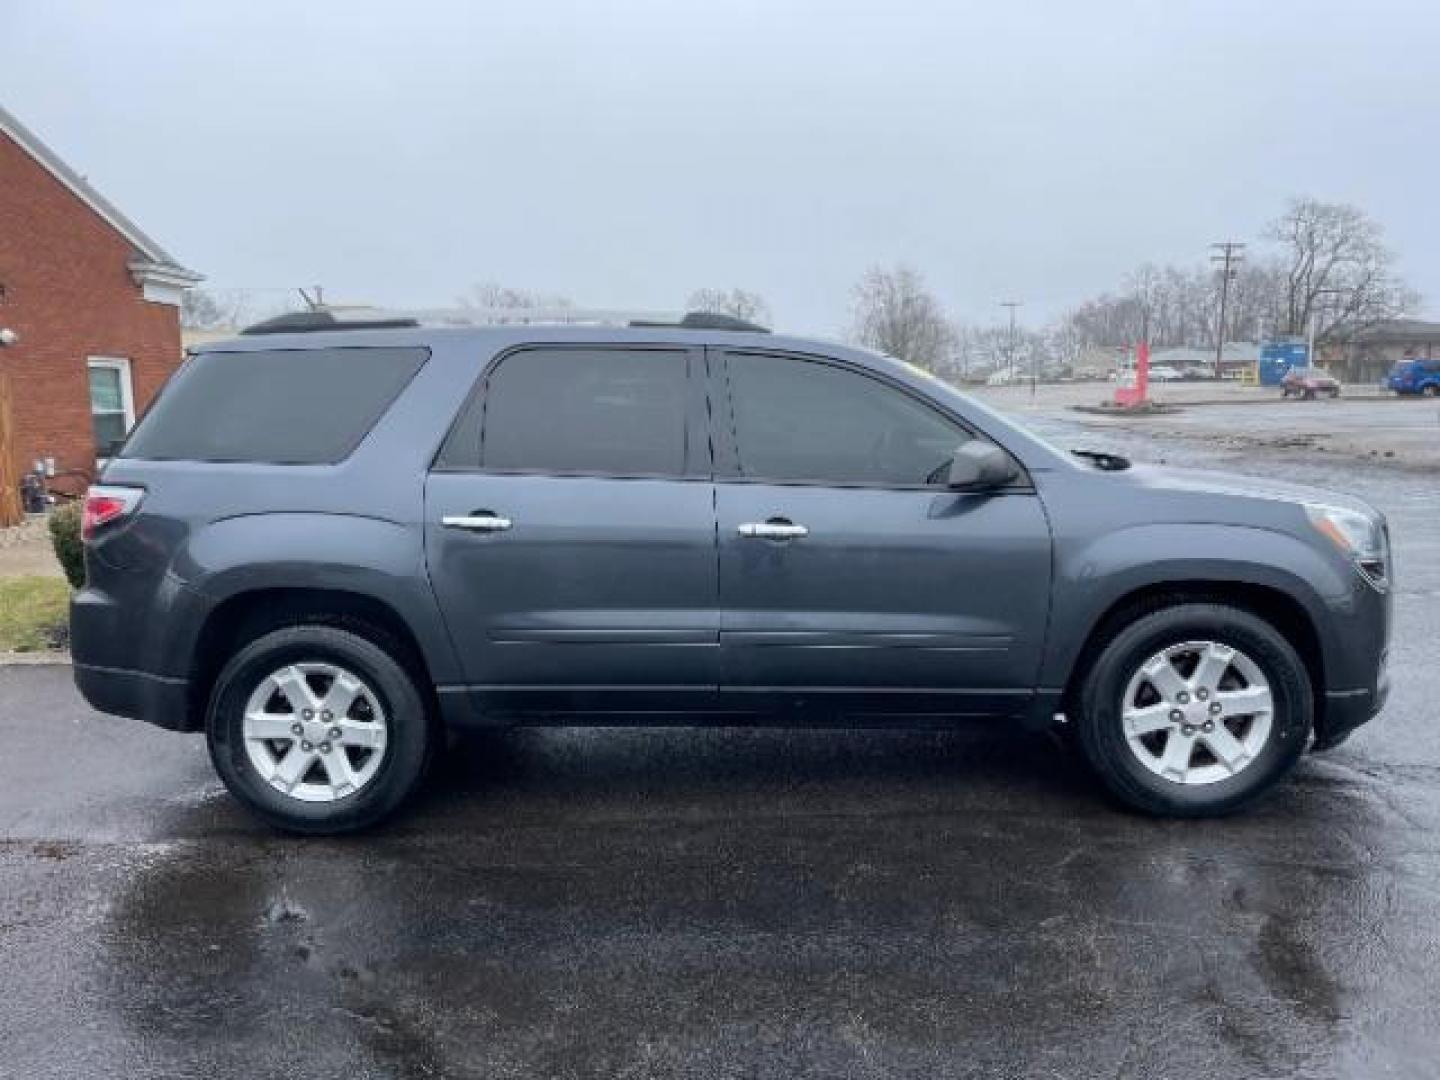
297 407
797 420
609 411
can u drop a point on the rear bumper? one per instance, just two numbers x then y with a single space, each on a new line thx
155 699
109 658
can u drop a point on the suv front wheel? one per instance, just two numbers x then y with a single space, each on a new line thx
318 730
1195 710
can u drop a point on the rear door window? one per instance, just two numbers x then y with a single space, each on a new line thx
283 407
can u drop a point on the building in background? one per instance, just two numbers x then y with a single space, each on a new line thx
95 304
1366 355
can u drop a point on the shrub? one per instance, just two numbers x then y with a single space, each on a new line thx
65 538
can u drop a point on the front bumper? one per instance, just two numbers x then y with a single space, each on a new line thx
1346 710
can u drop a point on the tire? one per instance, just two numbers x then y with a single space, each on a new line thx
1127 765
1431 390
1308 395
387 716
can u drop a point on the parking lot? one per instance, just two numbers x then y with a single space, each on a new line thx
751 903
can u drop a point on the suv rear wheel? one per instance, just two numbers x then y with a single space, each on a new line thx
1195 710
318 730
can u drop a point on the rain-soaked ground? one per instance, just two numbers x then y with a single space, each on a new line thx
735 903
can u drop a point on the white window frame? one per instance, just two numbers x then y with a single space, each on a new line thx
127 390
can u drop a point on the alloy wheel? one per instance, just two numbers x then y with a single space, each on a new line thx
1198 712
315 731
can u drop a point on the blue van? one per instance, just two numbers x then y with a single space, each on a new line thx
1415 376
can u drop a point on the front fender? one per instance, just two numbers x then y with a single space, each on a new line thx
1092 576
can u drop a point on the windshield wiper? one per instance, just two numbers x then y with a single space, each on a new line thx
1103 460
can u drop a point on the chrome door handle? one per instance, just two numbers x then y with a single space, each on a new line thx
773 530
477 522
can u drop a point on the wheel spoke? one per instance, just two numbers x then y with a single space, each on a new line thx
357 733
1145 719
338 771
1161 674
1214 662
1175 762
1227 749
341 695
292 684
267 725
291 768
1251 700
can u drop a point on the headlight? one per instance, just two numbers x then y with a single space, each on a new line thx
1360 536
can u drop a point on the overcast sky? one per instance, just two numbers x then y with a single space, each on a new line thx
625 153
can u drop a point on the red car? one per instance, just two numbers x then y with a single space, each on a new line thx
1309 383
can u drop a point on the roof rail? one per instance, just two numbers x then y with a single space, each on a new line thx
299 322
707 320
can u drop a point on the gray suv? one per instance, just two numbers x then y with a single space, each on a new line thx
328 542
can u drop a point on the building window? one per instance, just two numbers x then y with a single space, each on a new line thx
112 403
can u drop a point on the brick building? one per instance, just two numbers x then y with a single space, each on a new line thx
95 303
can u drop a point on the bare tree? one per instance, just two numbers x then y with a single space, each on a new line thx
494 296
740 303
1337 269
1173 305
894 313
222 309
1257 295
200 310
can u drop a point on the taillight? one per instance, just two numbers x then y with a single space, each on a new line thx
107 503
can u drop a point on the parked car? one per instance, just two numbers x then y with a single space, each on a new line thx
1197 373
1308 383
1416 376
1165 373
327 542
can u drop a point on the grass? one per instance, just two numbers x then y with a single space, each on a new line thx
34 613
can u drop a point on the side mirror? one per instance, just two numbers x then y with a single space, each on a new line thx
979 465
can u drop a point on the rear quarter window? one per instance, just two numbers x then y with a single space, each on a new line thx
282 407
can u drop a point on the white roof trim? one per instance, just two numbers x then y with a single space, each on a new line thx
28 141
145 272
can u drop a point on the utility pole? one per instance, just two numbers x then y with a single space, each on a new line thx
1230 254
1010 363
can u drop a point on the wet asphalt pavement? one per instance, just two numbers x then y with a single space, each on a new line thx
735 903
